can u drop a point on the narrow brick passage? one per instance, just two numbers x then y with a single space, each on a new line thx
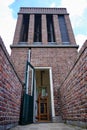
47 126
45 77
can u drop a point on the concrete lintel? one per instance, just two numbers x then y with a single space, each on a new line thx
43 46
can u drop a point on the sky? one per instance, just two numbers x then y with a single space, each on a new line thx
9 9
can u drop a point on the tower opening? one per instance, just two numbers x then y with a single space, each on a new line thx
63 29
50 28
37 28
24 28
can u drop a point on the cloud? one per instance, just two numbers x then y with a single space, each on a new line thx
75 7
7 23
76 10
80 39
53 5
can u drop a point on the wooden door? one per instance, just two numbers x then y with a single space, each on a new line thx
43 112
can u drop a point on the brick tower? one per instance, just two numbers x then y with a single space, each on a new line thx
46 36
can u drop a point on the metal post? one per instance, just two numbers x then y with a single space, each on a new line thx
34 97
27 76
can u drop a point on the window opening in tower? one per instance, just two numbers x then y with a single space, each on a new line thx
24 28
37 28
50 28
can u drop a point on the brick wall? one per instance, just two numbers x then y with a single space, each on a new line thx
18 29
60 59
57 29
31 29
44 29
10 91
70 30
19 58
74 91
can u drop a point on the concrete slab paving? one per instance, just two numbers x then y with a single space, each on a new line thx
47 126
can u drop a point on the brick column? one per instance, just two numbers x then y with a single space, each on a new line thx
44 29
57 29
18 29
31 29
70 31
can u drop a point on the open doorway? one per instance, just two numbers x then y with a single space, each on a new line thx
43 95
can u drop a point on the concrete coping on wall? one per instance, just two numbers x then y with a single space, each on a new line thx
43 46
8 57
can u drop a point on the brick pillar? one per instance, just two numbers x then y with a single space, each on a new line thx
57 29
18 29
31 29
70 31
44 29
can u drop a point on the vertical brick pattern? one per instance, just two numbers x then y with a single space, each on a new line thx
57 29
18 29
10 91
19 58
31 29
60 59
44 29
70 31
74 90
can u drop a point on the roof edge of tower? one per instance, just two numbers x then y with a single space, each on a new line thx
43 10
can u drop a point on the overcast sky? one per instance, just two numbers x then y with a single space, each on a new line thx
9 9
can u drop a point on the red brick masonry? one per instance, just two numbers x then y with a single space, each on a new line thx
74 90
10 91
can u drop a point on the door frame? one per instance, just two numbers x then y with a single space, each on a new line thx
51 88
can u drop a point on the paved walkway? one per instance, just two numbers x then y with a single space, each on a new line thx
47 126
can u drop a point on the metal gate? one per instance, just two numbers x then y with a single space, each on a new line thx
26 110
28 100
